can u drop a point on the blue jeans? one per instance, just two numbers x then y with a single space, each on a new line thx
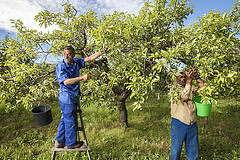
180 133
67 130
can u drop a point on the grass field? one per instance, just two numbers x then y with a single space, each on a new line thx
147 137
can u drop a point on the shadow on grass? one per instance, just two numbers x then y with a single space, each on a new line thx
219 139
21 138
147 137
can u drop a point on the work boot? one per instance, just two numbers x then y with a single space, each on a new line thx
78 145
59 145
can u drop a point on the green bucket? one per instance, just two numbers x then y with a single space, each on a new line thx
203 109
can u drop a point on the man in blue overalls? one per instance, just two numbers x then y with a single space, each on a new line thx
67 72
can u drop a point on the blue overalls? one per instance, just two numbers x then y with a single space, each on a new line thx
68 99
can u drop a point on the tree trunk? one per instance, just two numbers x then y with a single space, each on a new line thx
122 110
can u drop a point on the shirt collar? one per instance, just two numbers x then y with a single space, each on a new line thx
74 63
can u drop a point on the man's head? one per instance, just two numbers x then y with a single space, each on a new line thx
182 79
69 54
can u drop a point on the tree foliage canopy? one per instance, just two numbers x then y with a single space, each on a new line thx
146 52
212 46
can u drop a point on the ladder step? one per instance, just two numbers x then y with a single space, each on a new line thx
79 111
82 148
80 128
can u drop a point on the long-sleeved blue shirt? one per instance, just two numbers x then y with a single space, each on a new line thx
68 94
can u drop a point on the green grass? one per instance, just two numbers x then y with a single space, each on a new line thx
147 137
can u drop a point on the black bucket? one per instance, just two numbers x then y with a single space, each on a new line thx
42 115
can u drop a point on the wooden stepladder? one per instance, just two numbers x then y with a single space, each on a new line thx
80 129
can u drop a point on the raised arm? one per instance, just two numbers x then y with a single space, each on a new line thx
185 93
93 56
199 80
200 83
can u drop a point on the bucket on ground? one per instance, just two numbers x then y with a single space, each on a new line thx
203 108
42 115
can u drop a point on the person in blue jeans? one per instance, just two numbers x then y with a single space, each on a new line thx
67 72
183 112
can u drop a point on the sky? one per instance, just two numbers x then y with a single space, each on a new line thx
204 6
26 10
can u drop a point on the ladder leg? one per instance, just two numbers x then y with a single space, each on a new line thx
53 155
85 138
89 157
83 130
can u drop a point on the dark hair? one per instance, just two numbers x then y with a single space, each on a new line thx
70 48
